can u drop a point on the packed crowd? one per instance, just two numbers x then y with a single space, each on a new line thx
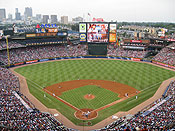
126 53
50 51
161 118
166 55
14 115
41 52
11 44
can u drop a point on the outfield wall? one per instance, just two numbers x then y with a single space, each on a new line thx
97 49
91 57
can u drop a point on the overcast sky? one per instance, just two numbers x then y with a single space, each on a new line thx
120 10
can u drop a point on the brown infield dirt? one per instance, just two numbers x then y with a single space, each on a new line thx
121 89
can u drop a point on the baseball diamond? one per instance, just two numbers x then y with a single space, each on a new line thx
121 89
113 83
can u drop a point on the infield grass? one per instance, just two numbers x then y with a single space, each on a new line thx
144 77
102 97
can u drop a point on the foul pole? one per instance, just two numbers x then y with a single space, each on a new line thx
8 51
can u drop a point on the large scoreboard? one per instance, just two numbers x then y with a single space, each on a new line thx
97 32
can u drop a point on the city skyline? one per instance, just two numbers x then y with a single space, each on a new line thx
120 10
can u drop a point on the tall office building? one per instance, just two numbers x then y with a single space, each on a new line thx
28 13
45 19
10 17
64 19
53 18
17 14
2 14
16 10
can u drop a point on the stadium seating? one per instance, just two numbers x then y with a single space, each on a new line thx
14 115
166 55
126 53
41 52
160 118
11 44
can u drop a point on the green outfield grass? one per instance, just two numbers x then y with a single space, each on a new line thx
144 77
102 97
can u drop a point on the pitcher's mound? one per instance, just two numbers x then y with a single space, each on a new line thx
89 96
86 114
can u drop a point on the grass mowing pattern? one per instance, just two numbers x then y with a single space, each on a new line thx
127 104
102 97
138 75
51 102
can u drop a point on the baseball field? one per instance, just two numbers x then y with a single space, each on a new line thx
71 86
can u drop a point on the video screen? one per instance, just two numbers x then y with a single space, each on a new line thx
97 32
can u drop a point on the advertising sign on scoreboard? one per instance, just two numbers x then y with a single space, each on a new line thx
82 37
136 41
52 30
112 32
113 28
82 27
40 30
30 35
97 32
112 37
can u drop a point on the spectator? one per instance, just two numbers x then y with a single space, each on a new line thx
166 55
14 115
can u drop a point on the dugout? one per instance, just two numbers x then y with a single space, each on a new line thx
97 49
